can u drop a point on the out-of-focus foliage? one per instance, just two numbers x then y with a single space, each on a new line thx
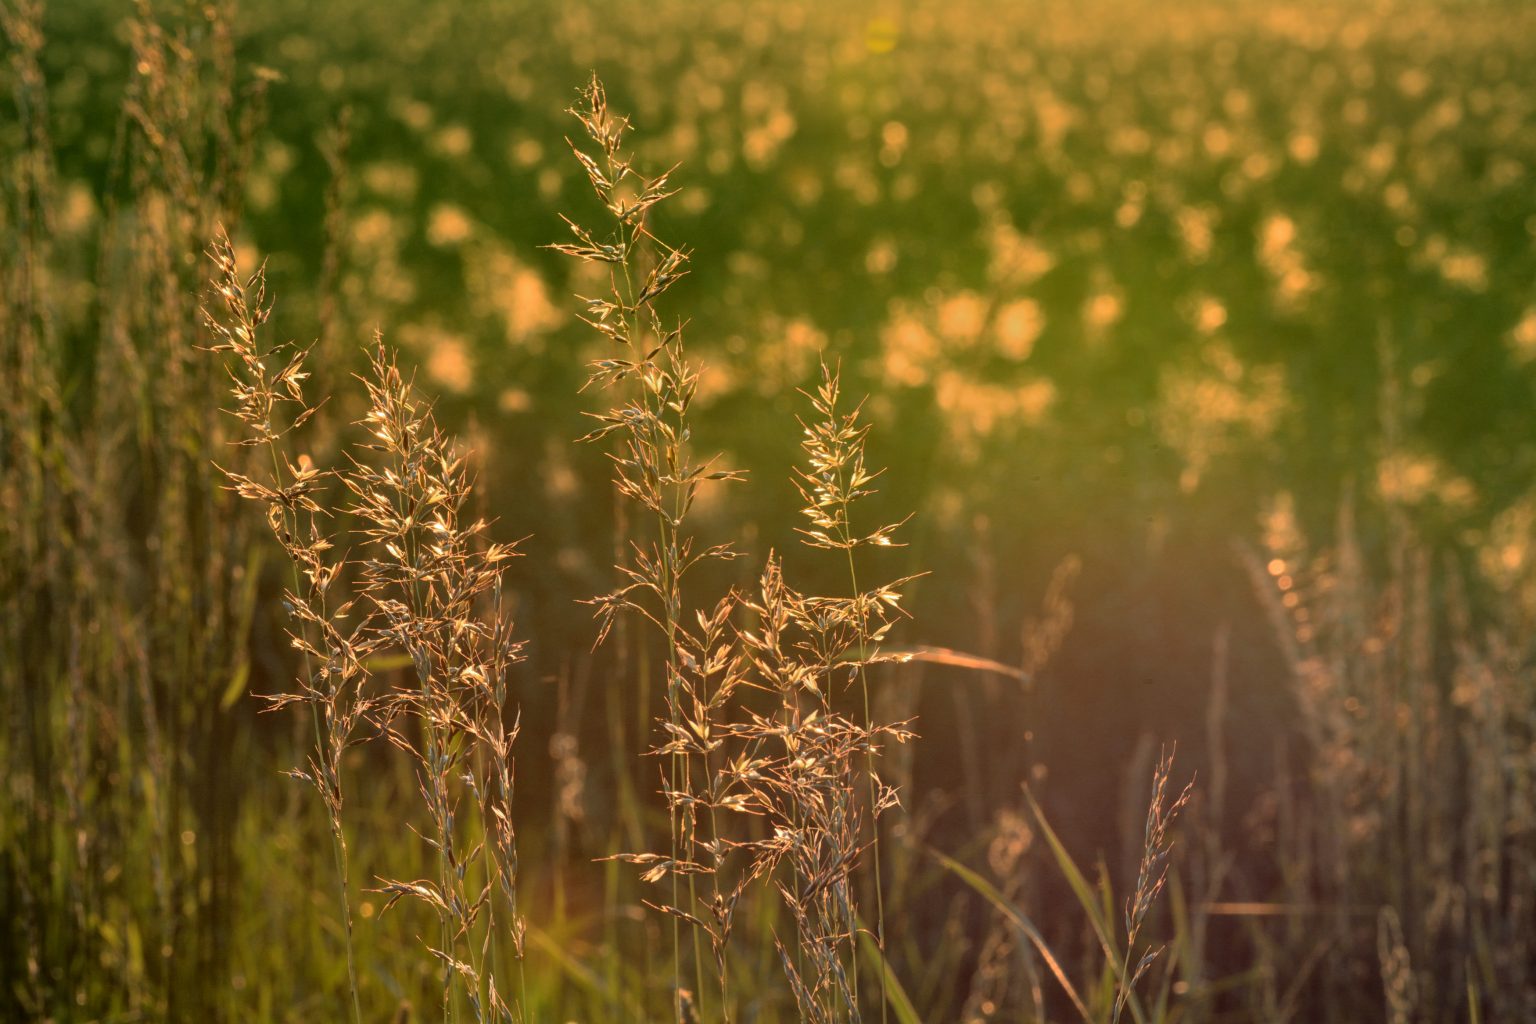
1141 242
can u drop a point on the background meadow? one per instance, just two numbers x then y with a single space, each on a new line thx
1200 344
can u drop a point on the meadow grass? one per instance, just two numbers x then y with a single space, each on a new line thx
319 545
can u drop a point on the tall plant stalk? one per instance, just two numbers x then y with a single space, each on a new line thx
654 466
425 584
837 477
270 403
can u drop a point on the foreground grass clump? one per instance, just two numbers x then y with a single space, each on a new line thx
770 789
413 578
726 760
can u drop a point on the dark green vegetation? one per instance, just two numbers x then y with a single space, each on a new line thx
1202 344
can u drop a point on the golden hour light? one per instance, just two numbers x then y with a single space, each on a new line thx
767 512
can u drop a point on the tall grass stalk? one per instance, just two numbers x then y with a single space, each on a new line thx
423 583
437 586
270 404
653 467
838 477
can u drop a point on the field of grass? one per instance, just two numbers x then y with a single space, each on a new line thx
447 570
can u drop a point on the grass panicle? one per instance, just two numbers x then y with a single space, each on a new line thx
653 467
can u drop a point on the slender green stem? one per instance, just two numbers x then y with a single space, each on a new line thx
332 760
666 544
339 845
869 765
436 748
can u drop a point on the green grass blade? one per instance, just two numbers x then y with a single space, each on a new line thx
1081 887
1020 920
900 1002
1088 896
